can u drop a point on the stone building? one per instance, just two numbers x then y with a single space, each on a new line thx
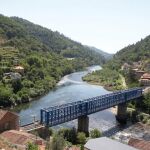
8 120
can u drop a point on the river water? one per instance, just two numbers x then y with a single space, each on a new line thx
71 88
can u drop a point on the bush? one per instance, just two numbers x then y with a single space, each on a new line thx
32 146
69 134
81 138
58 142
95 133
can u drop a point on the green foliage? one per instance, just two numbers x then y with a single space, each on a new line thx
95 133
58 142
146 103
5 94
43 54
82 147
106 77
16 85
81 137
69 134
32 146
132 53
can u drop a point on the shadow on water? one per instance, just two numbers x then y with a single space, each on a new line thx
113 130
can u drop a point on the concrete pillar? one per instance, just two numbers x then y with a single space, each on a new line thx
83 124
122 113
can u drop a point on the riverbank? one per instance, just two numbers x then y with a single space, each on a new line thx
111 80
30 92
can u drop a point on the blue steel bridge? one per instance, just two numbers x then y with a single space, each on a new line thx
56 115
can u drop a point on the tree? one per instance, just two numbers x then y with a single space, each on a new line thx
73 135
95 133
58 142
69 134
146 103
5 94
81 138
16 85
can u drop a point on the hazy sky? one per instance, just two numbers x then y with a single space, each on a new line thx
106 24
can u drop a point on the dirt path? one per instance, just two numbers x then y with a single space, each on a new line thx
123 81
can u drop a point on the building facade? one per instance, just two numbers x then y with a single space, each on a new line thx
8 120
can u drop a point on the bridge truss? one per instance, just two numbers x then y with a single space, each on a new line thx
63 113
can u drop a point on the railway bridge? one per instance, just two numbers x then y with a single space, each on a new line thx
80 110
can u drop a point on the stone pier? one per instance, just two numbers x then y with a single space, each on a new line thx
122 113
83 124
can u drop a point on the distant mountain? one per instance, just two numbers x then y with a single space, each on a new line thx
105 54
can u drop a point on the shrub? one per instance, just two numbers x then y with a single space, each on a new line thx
95 133
81 138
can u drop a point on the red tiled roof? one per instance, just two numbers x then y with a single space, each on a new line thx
146 76
139 144
18 137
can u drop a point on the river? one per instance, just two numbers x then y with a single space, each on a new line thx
71 88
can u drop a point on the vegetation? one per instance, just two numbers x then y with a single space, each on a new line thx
65 137
42 53
132 53
81 137
111 76
95 133
69 135
58 142
106 77
32 146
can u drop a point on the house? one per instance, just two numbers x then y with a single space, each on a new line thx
145 79
139 144
21 139
105 143
19 69
8 120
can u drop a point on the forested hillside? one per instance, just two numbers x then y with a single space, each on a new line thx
132 53
60 44
43 57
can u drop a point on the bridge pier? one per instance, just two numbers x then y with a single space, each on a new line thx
121 116
83 124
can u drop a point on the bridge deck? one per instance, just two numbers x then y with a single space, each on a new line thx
63 113
31 127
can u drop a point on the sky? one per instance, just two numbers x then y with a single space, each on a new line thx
109 25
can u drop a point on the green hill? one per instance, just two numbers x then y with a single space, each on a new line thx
60 44
112 77
133 53
45 55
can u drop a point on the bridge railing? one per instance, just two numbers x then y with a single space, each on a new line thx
62 113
